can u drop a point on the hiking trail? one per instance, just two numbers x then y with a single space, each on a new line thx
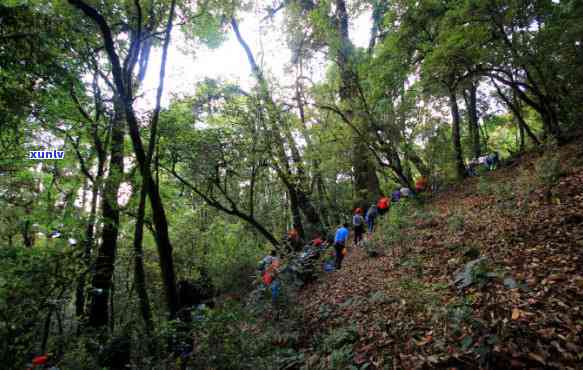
524 308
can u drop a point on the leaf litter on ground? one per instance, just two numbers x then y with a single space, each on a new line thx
528 312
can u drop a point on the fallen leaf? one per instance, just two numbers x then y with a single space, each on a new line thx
537 357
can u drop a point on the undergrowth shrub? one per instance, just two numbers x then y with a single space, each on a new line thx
504 190
524 188
424 215
231 256
479 339
34 285
456 221
234 338
413 262
391 228
339 337
338 345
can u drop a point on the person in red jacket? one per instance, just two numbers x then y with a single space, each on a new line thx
421 184
383 205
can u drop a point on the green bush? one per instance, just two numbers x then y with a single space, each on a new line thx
230 338
391 227
33 282
336 347
340 337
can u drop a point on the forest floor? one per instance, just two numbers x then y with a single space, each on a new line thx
524 309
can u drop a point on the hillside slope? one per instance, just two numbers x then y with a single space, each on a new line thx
523 309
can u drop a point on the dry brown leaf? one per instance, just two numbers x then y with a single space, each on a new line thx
537 357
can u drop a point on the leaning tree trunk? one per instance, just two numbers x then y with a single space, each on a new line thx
104 267
455 136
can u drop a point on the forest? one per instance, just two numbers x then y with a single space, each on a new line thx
177 177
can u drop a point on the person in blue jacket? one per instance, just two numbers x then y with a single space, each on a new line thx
340 240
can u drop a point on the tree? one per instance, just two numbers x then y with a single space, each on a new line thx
277 123
223 160
123 77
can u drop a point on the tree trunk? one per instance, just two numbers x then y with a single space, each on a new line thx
104 267
455 136
122 78
473 125
418 163
88 245
139 274
27 234
366 182
521 134
317 173
295 211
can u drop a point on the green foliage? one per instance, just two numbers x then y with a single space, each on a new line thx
233 338
456 221
33 282
232 254
480 340
204 26
392 227
338 343
482 273
81 354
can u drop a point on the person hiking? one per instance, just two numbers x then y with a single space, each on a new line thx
396 195
293 240
406 192
358 225
421 184
371 215
267 260
492 161
340 244
383 205
270 268
317 241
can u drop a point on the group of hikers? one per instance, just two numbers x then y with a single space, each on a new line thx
488 162
363 223
360 219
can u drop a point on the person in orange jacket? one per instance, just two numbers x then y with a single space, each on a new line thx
421 184
383 205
